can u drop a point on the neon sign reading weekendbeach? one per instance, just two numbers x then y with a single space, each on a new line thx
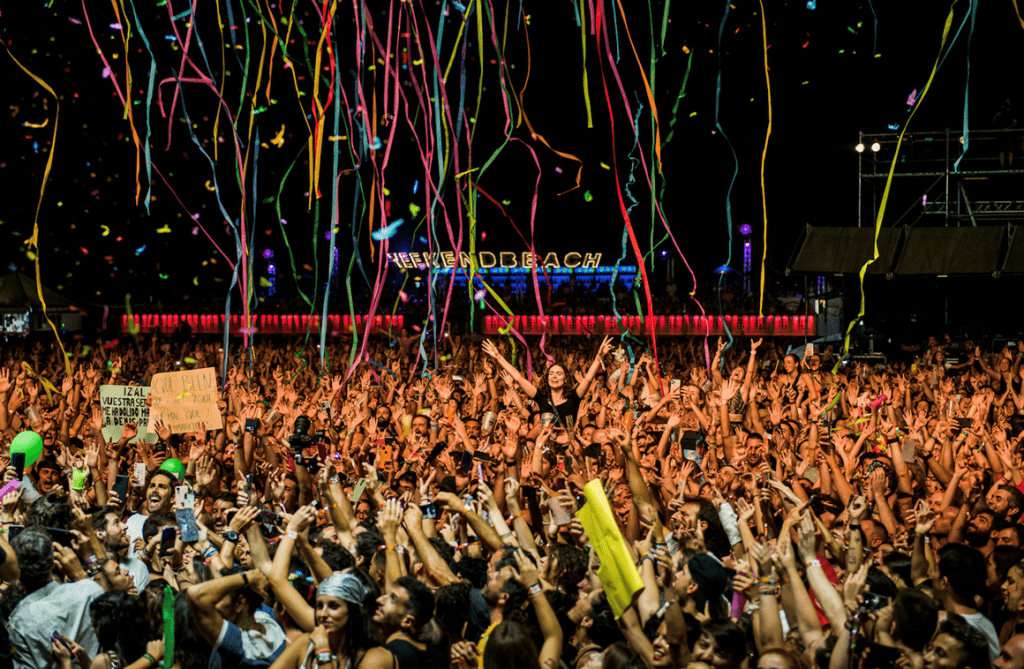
488 260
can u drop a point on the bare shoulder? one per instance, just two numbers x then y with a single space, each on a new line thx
378 658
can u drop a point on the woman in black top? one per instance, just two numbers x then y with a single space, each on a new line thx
554 398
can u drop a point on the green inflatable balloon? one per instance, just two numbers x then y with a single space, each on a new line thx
29 443
174 466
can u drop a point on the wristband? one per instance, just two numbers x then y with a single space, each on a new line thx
813 563
292 534
245 579
152 660
535 589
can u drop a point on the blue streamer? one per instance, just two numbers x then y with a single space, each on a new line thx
334 220
967 86
149 104
736 171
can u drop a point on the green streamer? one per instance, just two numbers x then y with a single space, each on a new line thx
168 627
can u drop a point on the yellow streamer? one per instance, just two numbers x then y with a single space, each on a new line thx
888 182
33 242
764 154
618 574
1016 9
586 86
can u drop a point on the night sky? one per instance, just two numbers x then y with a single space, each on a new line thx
832 74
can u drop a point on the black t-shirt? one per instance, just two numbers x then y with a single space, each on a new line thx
411 657
569 408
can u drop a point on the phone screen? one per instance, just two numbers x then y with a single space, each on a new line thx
121 487
167 538
18 462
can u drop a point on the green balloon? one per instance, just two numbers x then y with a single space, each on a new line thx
29 443
174 466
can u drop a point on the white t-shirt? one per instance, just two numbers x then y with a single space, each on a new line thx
135 523
979 622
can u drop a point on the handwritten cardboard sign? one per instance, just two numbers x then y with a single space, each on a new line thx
122 405
185 399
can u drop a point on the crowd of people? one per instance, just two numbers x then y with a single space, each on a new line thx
428 508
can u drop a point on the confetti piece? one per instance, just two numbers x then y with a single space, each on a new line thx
388 231
414 209
210 186
116 26
686 49
812 4
558 170
190 361
139 250
264 282
195 281
164 276
36 125
164 229
506 202
77 22
805 44
402 296
415 186
480 295
278 140
260 110
459 6
588 197
376 143
912 98
423 240
692 114
605 166
894 126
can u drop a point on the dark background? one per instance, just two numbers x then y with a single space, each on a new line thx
826 83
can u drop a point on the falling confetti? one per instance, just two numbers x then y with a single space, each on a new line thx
388 231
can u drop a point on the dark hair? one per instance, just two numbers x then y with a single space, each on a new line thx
34 550
453 606
1004 557
360 631
728 636
171 478
621 656
964 567
367 544
337 557
915 615
444 549
604 630
227 496
473 570
561 603
880 584
252 598
420 604
715 538
510 646
156 522
572 563
102 523
50 510
1016 501
975 645
151 598
120 624
899 564
191 649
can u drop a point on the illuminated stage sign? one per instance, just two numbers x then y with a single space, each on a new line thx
489 259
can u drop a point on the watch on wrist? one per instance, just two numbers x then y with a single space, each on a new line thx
325 656
230 535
